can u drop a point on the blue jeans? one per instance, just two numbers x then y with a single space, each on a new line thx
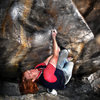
64 65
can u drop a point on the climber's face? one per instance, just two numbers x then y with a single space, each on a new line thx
31 74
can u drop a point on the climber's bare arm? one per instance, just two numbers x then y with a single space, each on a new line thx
47 60
56 49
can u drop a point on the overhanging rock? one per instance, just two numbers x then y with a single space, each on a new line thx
28 22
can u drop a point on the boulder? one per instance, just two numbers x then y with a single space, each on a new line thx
90 9
28 23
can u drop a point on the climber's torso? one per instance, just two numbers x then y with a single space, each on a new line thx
50 77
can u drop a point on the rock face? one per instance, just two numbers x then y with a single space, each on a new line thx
25 40
93 18
90 56
27 25
85 7
94 80
90 9
75 90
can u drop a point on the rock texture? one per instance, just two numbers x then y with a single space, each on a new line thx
94 80
90 56
75 90
28 23
90 9
25 40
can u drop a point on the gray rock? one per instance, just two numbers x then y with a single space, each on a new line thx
94 80
29 23
75 90
26 41
90 9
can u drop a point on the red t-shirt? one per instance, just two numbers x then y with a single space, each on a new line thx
48 72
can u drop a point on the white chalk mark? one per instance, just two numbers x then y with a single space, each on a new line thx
16 11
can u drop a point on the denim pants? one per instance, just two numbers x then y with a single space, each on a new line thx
65 65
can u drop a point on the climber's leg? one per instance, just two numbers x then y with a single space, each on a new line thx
68 68
62 59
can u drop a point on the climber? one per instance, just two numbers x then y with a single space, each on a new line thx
55 72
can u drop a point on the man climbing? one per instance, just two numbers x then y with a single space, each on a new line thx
55 72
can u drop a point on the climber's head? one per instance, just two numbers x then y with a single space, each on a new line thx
31 74
28 84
